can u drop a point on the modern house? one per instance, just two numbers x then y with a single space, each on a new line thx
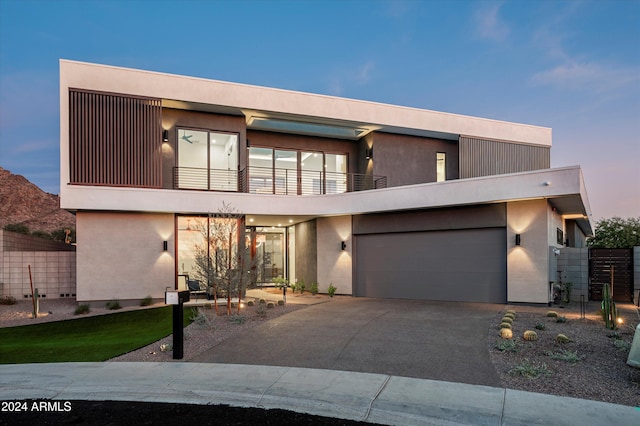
378 200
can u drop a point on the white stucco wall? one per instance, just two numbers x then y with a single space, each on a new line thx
120 255
527 264
334 265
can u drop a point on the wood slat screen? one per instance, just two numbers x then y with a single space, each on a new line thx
115 140
480 157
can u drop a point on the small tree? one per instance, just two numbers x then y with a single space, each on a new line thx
220 260
616 233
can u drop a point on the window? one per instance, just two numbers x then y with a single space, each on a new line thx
278 171
441 167
207 160
559 236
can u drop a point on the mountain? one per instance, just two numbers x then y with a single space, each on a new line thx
22 202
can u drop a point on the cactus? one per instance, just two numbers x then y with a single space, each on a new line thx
561 338
507 319
506 333
511 312
270 305
505 325
552 314
280 302
250 303
609 310
510 315
530 335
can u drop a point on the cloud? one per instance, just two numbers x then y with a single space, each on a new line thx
35 146
360 75
489 25
587 76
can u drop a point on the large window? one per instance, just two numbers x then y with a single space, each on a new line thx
278 171
207 160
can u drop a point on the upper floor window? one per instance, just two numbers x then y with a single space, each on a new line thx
441 167
290 172
207 160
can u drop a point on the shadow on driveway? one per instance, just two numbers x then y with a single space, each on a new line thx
421 339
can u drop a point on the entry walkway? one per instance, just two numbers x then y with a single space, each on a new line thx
375 398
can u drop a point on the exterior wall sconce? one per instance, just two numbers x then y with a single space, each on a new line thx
165 135
518 239
343 245
368 153
165 245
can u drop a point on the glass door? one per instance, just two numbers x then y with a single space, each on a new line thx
311 173
286 172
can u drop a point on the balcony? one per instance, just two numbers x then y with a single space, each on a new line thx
261 180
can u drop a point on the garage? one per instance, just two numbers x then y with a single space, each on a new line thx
467 265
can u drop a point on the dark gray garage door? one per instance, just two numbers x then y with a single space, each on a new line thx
460 265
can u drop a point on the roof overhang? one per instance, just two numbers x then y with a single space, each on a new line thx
272 109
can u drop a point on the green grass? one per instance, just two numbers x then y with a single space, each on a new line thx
96 338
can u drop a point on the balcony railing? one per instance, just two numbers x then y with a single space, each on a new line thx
265 180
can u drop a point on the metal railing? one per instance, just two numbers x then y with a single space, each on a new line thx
266 180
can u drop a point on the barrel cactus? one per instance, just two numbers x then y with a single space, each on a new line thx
530 335
507 319
552 314
505 325
506 333
561 338
511 312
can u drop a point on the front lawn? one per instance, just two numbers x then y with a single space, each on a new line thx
96 338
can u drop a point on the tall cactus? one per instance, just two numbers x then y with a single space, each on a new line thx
609 310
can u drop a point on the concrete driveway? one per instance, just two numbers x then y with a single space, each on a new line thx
421 339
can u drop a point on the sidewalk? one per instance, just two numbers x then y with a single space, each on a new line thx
374 398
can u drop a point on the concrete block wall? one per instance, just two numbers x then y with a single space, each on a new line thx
53 273
573 266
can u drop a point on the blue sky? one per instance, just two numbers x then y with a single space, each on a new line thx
573 66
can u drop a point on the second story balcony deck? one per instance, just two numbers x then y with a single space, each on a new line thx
263 180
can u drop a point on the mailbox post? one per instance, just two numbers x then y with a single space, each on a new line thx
177 299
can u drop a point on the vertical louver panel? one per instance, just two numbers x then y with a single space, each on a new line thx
115 140
481 157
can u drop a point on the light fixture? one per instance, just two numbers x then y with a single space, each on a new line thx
343 245
165 135
518 239
368 153
165 245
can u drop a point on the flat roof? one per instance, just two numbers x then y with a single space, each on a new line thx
260 105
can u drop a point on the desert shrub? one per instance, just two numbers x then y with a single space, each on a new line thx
565 355
314 288
530 370
622 345
17 228
82 309
506 345
261 311
113 305
238 319
8 300
301 286
331 290
200 318
561 319
147 301
540 326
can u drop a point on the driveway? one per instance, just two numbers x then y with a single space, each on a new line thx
421 339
